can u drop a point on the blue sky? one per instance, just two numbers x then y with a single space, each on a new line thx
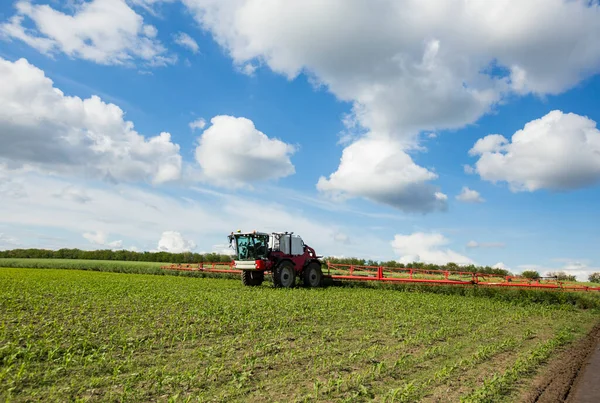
269 155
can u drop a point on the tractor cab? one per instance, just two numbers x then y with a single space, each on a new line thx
250 246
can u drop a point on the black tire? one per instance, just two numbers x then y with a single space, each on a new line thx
252 277
313 275
246 278
284 275
258 277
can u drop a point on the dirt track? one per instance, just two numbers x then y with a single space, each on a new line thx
573 377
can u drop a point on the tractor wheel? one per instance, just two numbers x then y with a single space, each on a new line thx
252 277
313 276
258 277
246 277
284 275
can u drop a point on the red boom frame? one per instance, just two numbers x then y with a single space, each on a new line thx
350 272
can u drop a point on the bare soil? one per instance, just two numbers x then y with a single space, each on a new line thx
562 378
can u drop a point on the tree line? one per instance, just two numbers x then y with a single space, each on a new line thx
424 266
189 257
122 255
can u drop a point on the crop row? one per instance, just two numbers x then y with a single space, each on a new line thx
92 336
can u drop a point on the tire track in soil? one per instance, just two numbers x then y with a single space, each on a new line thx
560 379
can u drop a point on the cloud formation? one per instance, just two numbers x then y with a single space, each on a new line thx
42 128
101 238
560 151
469 196
426 248
186 41
413 66
232 152
173 241
380 170
102 31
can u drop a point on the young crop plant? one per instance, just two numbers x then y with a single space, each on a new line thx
85 335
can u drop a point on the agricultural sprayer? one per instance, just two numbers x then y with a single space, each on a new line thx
287 258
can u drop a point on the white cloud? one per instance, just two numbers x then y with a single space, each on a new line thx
103 31
490 143
501 265
380 170
412 66
183 39
40 127
249 69
474 244
141 216
560 151
173 241
427 248
469 196
232 152
101 238
199 123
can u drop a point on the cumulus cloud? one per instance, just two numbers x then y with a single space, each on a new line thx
199 123
381 171
101 238
560 151
232 152
42 127
469 196
415 66
103 31
173 241
426 248
186 41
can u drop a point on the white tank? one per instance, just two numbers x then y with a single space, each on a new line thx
283 244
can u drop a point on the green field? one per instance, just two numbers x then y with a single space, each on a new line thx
77 335
115 266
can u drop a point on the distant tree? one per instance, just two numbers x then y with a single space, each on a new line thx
562 276
530 274
594 277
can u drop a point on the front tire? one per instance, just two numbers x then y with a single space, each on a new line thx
252 277
313 275
284 275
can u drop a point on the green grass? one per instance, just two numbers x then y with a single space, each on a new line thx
114 266
70 335
514 295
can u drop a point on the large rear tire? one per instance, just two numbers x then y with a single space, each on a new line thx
285 275
313 275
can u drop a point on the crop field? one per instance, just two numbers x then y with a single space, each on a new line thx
115 266
101 336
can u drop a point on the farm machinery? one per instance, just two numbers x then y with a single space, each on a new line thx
287 259
283 254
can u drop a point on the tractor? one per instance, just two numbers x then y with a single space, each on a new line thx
283 254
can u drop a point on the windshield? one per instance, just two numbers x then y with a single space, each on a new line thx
251 247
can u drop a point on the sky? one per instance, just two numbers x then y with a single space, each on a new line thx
457 131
